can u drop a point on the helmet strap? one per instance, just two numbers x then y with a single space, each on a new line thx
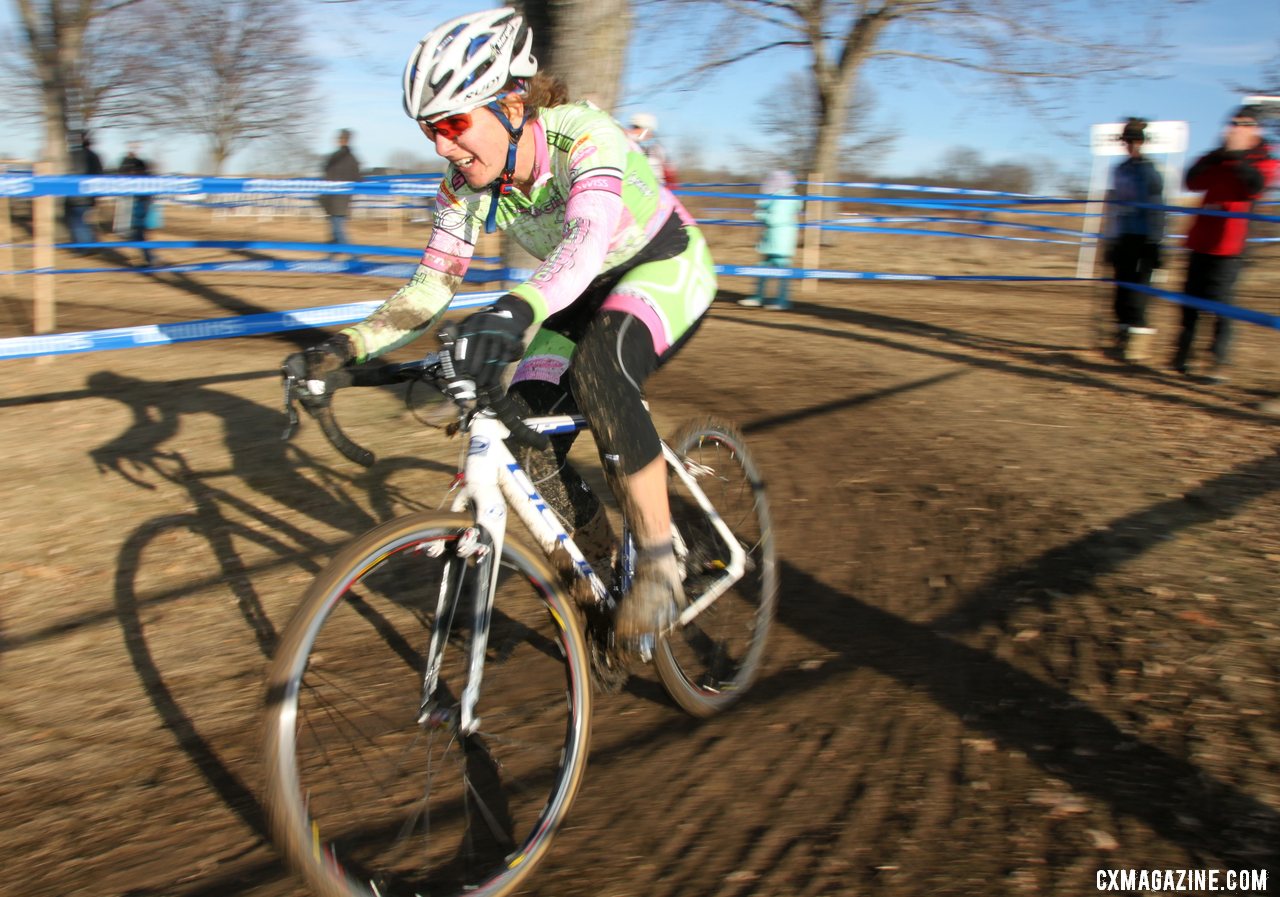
506 181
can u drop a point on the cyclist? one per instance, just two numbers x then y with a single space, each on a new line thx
624 279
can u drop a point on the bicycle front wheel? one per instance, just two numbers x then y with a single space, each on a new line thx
709 663
373 787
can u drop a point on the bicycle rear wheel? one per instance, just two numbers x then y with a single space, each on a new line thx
369 795
708 664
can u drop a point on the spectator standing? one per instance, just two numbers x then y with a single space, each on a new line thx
1231 177
83 161
135 165
777 245
1135 229
643 131
341 165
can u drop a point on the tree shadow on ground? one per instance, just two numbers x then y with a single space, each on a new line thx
890 324
1064 366
1075 567
1054 728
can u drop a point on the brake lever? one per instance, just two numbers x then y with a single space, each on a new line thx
458 390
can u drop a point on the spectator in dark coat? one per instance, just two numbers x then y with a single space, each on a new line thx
341 165
83 161
1135 229
133 164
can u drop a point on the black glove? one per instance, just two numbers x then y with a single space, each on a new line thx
1152 256
314 366
1109 253
491 339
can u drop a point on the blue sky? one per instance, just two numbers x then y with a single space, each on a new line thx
1218 44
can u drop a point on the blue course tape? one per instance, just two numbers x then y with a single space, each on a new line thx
865 229
127 185
246 245
823 274
939 219
400 270
275 322
916 188
217 328
1218 308
916 231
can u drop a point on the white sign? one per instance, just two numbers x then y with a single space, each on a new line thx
1162 137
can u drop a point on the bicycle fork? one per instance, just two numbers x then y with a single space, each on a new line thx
482 541
471 544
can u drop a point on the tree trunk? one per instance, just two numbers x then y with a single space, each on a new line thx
55 42
584 43
832 102
837 81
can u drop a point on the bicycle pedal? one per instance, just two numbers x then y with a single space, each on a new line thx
645 646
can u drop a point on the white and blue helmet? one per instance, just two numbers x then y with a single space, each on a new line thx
467 62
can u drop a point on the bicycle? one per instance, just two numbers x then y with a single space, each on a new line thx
429 706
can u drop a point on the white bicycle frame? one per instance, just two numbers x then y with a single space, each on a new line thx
491 481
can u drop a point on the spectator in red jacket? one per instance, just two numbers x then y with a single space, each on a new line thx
1231 178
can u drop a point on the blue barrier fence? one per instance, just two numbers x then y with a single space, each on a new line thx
130 337
425 186
217 328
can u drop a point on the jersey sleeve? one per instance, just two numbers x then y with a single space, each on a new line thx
594 208
421 302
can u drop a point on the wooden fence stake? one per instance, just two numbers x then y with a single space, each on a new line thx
44 235
6 246
812 235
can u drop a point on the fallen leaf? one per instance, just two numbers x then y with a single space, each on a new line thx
1102 840
1198 618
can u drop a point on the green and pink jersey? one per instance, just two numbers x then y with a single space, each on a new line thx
594 207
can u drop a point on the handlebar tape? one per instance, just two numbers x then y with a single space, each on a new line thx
352 452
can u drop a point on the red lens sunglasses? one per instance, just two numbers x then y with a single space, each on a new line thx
451 127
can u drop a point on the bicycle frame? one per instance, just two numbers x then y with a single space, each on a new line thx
492 480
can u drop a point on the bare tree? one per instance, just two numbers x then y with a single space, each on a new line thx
1269 87
583 42
1026 46
229 70
790 115
232 71
1008 177
414 163
54 35
962 165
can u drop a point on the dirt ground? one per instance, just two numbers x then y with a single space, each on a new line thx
1028 625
